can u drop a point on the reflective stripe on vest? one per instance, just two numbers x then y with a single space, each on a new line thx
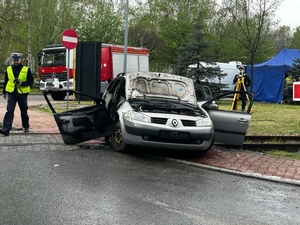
10 86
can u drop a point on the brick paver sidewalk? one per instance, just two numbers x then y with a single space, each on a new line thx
252 163
40 122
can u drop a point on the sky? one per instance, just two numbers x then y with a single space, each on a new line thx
288 13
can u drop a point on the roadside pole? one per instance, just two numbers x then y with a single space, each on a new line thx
70 41
126 38
68 79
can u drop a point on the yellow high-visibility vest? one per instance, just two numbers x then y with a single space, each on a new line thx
10 86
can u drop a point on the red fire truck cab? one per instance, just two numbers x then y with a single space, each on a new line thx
54 65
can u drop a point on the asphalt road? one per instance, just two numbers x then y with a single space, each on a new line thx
49 183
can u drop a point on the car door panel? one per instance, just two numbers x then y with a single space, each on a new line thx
83 124
230 127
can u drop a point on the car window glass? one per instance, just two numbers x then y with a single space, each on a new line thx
203 92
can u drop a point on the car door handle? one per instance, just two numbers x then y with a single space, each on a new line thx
242 120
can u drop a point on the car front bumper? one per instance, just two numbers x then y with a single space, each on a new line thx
187 138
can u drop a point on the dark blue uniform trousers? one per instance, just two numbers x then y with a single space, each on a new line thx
12 100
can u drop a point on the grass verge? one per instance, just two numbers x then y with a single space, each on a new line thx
274 119
283 154
270 118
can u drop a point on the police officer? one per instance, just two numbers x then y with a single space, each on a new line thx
17 82
245 82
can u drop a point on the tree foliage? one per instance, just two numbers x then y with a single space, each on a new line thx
178 33
295 41
32 25
193 58
281 37
98 21
251 19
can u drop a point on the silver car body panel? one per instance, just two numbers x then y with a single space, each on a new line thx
230 127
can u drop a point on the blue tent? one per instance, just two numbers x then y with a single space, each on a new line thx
268 77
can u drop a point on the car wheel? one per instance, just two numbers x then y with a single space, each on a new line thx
116 139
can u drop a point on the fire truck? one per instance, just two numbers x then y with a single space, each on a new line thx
57 66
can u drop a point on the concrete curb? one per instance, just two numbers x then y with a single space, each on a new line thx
239 173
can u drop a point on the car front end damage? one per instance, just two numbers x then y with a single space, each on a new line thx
154 110
165 124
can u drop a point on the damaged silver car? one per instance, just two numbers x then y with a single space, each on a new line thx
156 110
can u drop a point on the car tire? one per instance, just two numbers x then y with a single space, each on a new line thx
116 139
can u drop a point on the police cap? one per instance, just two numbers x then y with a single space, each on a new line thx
16 55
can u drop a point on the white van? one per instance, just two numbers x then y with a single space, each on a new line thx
231 69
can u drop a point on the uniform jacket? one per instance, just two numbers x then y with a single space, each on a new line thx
16 71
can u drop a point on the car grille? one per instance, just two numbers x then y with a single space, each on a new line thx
60 76
159 120
186 123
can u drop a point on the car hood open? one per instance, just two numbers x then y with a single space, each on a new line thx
160 85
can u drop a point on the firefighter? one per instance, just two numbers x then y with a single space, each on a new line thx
17 81
244 82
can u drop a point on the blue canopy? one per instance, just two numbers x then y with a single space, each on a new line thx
268 77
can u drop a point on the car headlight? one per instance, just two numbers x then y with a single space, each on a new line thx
204 122
131 115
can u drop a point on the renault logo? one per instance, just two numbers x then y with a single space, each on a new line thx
174 123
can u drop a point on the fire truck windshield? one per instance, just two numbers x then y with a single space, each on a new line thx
53 58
